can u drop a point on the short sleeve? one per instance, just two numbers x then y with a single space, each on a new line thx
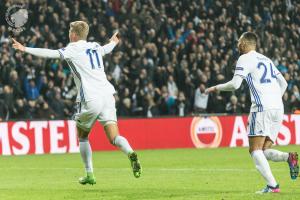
241 68
66 52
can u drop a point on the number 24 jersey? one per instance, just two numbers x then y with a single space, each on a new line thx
261 74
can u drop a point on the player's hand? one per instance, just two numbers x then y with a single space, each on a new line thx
17 45
115 38
210 90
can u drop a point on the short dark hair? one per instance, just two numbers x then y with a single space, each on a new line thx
250 37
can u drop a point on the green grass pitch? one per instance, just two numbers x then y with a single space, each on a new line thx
187 174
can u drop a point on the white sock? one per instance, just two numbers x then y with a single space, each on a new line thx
276 156
263 167
86 154
123 144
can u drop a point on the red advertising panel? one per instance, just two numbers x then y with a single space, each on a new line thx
39 137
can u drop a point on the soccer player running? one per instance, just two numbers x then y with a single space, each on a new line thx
95 93
267 86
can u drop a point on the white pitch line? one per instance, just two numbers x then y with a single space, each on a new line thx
145 169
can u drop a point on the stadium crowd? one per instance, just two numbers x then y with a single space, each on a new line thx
170 52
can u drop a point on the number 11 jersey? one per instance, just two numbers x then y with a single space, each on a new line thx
261 74
85 60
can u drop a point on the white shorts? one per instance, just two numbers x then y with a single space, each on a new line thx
103 110
266 123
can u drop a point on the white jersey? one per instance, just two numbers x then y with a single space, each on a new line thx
86 62
260 73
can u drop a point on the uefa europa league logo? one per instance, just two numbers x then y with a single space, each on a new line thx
16 16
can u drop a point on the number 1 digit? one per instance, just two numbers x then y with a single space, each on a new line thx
90 54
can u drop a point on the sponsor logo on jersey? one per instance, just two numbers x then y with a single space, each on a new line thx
206 132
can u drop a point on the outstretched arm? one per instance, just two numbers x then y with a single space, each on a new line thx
232 85
46 53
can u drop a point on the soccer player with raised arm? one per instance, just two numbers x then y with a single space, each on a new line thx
267 86
95 93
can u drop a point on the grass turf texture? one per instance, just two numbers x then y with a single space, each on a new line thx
167 174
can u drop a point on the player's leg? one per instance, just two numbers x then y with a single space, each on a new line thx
86 155
112 133
273 154
108 118
279 156
256 142
255 148
85 118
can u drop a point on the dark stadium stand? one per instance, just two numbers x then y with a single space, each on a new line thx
169 53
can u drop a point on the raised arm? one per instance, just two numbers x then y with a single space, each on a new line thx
45 53
109 47
114 40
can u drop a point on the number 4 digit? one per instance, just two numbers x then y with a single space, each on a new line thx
273 75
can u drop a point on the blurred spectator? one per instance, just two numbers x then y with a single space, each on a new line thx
294 103
295 92
20 110
217 103
46 112
286 103
4 113
58 105
32 109
244 107
15 83
201 99
8 97
183 105
167 102
233 106
32 92
172 87
151 108
125 108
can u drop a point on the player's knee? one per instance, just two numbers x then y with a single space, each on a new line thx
265 148
268 144
254 148
82 133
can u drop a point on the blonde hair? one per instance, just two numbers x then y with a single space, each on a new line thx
80 28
